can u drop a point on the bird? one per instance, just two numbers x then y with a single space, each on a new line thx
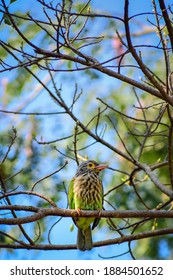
86 193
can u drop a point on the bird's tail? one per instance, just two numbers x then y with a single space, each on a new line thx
84 239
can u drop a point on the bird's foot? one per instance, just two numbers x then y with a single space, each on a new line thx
78 211
100 212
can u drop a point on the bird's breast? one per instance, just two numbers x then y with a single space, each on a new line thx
88 192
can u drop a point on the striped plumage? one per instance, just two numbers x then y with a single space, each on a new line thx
86 193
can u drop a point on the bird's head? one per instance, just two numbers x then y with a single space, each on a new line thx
90 166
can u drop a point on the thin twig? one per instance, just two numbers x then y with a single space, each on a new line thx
49 175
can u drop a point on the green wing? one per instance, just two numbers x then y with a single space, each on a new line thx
71 201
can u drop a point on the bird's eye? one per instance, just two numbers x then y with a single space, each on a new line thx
91 165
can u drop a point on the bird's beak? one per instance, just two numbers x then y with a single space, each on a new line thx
101 167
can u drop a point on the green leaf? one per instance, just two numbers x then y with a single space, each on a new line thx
7 19
71 227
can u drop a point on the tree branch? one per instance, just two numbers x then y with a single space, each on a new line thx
143 67
167 21
119 240
40 213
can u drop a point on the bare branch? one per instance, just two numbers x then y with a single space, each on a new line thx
119 240
49 175
167 21
40 213
13 137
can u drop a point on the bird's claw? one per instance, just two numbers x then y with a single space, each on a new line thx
100 212
78 210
